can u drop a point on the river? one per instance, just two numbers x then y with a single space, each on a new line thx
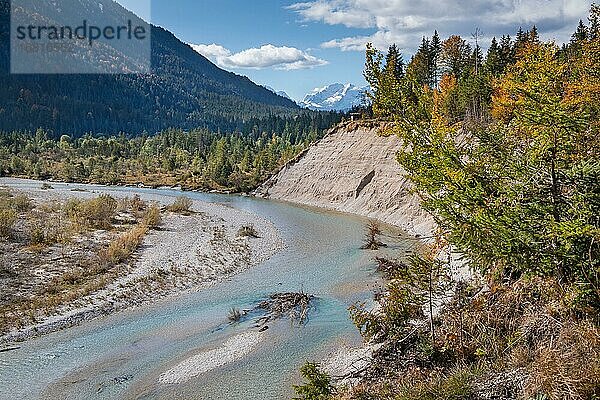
122 356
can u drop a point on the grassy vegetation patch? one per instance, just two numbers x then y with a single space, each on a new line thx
55 253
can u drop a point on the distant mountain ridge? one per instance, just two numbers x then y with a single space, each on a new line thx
280 93
184 90
335 97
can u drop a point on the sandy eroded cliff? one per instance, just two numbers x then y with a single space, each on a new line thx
353 169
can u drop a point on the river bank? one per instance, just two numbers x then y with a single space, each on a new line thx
188 252
124 354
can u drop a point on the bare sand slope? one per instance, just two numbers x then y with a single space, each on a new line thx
353 169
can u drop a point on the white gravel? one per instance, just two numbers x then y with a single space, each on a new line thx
233 349
190 252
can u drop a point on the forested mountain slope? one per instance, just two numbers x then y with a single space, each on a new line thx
184 90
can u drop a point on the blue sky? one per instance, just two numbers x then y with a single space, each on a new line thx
296 46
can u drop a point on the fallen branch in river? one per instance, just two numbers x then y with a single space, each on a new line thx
293 305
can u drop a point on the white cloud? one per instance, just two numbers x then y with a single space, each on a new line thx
334 13
405 21
266 56
211 51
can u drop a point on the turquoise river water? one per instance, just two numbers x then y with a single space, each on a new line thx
122 355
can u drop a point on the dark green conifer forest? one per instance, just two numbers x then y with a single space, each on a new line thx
195 159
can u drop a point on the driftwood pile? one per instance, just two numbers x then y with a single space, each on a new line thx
295 306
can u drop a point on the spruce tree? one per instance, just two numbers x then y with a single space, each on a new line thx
477 59
520 40
419 69
507 52
594 31
493 60
580 34
533 36
435 50
394 62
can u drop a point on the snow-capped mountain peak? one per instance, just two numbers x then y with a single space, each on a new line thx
334 97
279 92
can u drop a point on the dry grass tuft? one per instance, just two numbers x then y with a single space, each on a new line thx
120 249
152 217
567 366
181 205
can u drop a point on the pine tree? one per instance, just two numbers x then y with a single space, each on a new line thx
493 60
435 50
507 52
580 34
394 62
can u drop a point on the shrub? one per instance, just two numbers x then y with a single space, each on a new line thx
96 213
152 217
248 231
37 236
21 203
401 305
137 204
8 217
71 207
318 385
181 205
47 230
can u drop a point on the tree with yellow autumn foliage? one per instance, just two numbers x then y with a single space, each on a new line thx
516 184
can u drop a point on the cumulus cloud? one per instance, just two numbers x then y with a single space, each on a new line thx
211 51
266 56
405 21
